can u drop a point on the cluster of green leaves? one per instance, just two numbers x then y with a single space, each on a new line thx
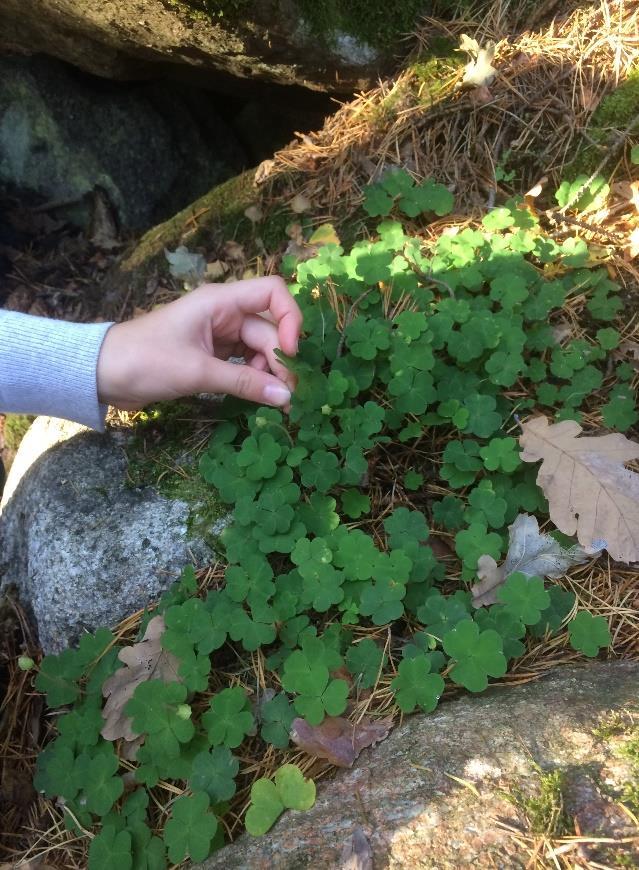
450 338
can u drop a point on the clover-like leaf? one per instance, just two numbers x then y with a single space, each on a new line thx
449 512
320 470
259 456
265 809
357 554
507 625
524 597
486 506
111 848
190 619
620 410
483 419
440 613
318 514
295 791
415 686
277 716
377 201
477 655
562 602
269 799
366 336
81 728
214 772
365 661
427 197
96 774
317 694
53 768
159 710
476 541
58 677
191 828
382 600
589 633
355 503
228 718
403 524
501 454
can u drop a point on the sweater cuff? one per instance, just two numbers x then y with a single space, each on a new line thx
49 367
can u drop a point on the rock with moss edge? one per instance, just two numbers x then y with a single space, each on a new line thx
433 794
83 547
213 41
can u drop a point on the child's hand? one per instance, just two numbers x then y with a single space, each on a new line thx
182 348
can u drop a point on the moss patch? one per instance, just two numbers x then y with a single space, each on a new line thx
623 728
613 114
15 428
376 22
544 810
205 10
161 454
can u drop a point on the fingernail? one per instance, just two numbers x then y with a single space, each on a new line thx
276 395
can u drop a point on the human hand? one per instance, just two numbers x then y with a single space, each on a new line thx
183 347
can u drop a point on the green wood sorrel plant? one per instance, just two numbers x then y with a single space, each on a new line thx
408 345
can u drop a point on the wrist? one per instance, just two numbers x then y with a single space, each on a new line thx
114 372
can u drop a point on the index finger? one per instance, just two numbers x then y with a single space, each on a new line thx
271 294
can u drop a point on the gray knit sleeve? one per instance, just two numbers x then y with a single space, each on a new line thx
49 367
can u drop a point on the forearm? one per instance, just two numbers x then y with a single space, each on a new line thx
49 367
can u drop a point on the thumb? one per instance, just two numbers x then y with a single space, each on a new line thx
246 383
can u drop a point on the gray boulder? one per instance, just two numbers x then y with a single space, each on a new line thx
62 133
82 547
263 40
453 789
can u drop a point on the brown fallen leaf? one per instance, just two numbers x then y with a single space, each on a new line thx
357 853
263 171
530 553
589 490
145 660
337 739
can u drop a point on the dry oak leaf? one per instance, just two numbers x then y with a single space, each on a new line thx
145 660
589 490
357 853
337 739
529 552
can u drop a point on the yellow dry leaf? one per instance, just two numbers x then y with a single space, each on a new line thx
145 660
598 254
633 247
324 235
590 492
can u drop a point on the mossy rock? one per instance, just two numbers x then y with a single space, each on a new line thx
216 217
161 454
